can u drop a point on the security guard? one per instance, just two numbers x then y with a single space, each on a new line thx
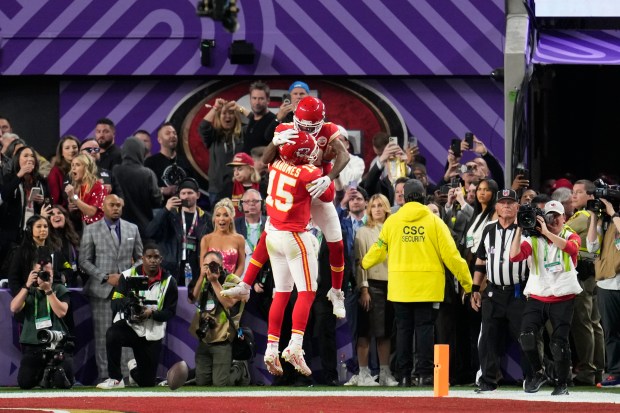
419 245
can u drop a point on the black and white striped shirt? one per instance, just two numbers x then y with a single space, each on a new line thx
494 248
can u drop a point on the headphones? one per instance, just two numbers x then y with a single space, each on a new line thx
240 202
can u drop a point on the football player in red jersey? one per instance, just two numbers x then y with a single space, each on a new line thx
310 117
293 250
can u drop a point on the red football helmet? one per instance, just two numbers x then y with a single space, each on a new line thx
303 150
309 115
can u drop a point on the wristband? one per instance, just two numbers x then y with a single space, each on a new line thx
616 215
480 268
475 288
50 292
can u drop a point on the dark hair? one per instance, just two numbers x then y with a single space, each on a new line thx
380 140
142 131
86 140
540 199
260 85
60 162
35 171
490 209
106 121
67 232
216 253
29 249
163 125
150 245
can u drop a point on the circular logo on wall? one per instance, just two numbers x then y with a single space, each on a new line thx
362 111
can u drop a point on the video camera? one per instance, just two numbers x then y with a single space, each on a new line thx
609 192
526 219
135 307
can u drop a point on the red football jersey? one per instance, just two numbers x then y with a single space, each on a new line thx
329 131
288 200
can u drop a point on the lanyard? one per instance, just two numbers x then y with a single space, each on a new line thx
250 230
36 305
191 229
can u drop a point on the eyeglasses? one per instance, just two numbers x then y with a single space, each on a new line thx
251 201
92 150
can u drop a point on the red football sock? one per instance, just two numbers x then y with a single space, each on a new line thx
301 311
336 262
276 314
259 258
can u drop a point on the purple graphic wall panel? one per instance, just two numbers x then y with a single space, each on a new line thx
590 47
312 37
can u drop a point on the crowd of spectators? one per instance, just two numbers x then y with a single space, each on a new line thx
86 216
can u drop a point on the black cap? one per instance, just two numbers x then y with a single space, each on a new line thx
507 194
189 183
413 189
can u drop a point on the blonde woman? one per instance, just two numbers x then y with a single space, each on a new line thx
221 132
224 239
375 315
85 192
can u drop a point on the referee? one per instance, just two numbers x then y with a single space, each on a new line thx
502 301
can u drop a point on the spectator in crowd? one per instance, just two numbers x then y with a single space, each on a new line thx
35 243
564 196
221 132
399 193
5 125
376 314
259 118
586 324
252 221
224 239
85 192
108 247
416 287
215 324
167 162
354 170
379 142
58 177
540 200
527 196
90 147
244 177
105 134
551 288
502 301
138 324
418 171
261 168
63 231
145 137
11 142
607 271
41 305
297 91
379 182
178 229
23 193
457 212
137 184
484 213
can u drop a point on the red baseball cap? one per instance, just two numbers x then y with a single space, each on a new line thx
563 183
240 159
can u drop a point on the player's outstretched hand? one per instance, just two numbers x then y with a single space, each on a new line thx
319 186
287 136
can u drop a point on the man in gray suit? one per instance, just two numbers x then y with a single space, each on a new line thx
109 246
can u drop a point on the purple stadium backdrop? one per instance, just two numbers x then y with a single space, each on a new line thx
430 59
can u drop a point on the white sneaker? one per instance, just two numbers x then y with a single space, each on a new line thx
337 299
387 380
353 380
295 355
272 362
366 380
132 364
240 291
110 384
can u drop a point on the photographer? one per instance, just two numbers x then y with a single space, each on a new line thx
607 268
140 317
214 364
551 288
41 305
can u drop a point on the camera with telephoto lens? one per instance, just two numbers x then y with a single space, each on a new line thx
526 219
59 344
133 311
206 322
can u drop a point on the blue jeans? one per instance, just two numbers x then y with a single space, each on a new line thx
419 318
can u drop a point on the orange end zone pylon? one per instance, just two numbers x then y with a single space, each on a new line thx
442 370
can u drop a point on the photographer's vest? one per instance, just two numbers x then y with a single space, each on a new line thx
564 258
583 250
150 329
